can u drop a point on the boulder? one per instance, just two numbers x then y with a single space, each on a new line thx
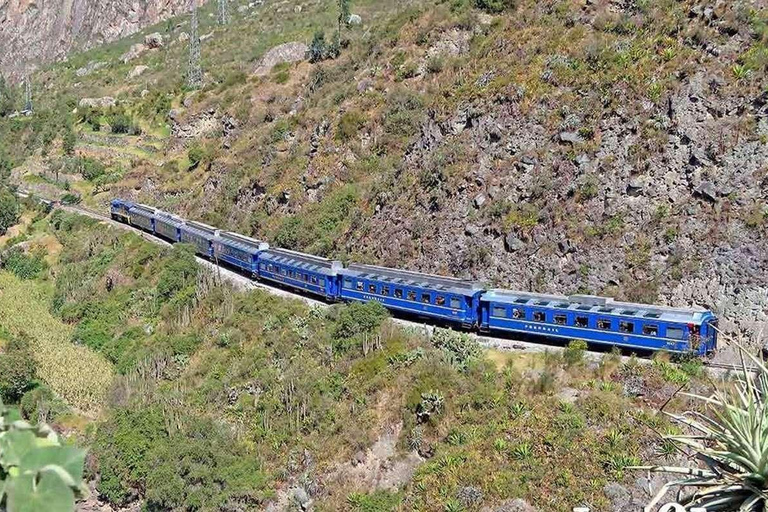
285 53
137 71
707 190
354 19
513 244
479 200
90 68
570 138
105 102
134 52
183 37
154 41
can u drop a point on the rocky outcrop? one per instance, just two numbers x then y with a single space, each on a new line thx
285 53
35 32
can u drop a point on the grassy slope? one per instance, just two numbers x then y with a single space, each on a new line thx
227 398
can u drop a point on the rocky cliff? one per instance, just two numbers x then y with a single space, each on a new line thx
33 32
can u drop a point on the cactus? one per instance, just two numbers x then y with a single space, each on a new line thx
36 472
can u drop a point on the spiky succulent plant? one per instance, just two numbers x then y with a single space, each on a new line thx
730 440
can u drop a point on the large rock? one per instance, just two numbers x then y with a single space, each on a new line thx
354 19
288 52
513 244
137 71
154 41
90 68
105 102
134 52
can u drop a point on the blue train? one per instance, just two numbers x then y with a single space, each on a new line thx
460 303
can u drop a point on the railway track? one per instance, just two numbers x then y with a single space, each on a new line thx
245 283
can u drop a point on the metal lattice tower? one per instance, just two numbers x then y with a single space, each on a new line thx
27 95
195 70
223 12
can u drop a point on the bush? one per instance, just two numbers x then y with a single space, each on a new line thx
123 124
573 355
179 273
198 155
318 50
24 266
350 125
41 405
356 321
9 210
17 370
459 348
403 115
495 6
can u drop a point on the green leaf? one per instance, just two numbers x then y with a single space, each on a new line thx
14 445
70 458
50 494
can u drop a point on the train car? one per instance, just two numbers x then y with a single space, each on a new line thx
313 274
142 216
168 226
200 235
442 298
239 251
600 320
120 209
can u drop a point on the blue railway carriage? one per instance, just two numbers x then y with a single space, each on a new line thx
442 298
239 251
600 320
168 226
142 216
120 209
319 276
200 235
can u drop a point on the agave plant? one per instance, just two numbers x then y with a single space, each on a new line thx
731 441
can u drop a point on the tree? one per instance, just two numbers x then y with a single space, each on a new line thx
68 141
344 14
9 210
17 370
195 70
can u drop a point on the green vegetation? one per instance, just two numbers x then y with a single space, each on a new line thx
9 209
37 472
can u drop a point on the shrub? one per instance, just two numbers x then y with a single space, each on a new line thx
23 265
350 125
179 273
495 6
459 348
432 405
573 355
356 321
17 370
318 50
41 405
403 114
9 210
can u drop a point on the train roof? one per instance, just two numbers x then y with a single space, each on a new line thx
245 243
168 218
595 304
302 261
143 208
199 228
415 279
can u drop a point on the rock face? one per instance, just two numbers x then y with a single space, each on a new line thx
36 32
288 52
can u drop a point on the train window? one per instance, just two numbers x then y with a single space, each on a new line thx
522 300
518 313
653 315
314 279
360 285
322 282
306 278
629 312
283 272
605 310
371 288
440 300
499 311
411 295
561 319
603 323
651 330
262 266
542 303
271 268
584 308
347 283
582 321
563 305
675 333
398 293
627 327
539 316
455 303
426 298
385 290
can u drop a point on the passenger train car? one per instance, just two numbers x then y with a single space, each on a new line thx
462 303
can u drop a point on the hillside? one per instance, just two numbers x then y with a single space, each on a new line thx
604 147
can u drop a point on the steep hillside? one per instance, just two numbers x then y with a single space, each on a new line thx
612 147
37 32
